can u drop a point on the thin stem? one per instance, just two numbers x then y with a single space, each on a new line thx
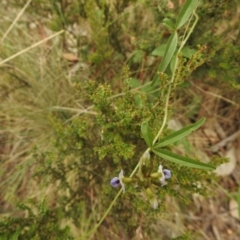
103 217
165 115
183 43
138 164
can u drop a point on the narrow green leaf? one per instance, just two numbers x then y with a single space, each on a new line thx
15 236
185 12
173 62
168 23
170 50
185 161
173 137
168 54
146 133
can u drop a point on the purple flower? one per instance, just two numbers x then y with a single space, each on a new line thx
117 181
165 174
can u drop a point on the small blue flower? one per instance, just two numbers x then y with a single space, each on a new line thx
165 174
117 181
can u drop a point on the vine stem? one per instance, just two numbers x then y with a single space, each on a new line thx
103 217
160 130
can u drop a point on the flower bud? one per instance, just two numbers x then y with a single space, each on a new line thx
126 179
156 175
152 198
146 158
149 192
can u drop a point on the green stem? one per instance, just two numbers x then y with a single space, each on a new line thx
103 217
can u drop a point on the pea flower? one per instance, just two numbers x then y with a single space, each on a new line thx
165 174
117 181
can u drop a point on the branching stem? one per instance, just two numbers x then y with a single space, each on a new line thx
162 126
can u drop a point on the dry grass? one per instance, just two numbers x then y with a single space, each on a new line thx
32 83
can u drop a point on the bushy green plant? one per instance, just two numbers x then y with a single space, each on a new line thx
71 154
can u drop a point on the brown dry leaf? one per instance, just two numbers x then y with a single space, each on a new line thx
70 57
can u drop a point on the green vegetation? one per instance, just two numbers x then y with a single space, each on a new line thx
95 99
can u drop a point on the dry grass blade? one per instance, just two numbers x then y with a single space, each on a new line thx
15 21
31 47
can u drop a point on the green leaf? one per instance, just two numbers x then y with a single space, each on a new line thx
169 52
185 161
173 137
185 12
160 50
173 62
188 52
138 100
168 23
138 56
148 88
134 82
146 133
15 236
